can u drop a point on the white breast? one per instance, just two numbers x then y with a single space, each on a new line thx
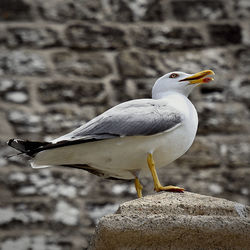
173 144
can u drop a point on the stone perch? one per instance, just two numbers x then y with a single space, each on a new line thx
175 221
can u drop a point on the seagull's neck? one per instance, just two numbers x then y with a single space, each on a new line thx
181 103
167 94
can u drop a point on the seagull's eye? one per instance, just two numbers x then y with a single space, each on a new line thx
173 75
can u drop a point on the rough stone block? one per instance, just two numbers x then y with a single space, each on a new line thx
55 121
236 184
243 59
142 88
6 132
44 183
203 154
52 122
237 150
215 117
242 8
25 241
65 10
90 65
215 92
62 120
66 214
89 37
72 92
241 90
134 11
131 89
19 214
120 91
32 37
14 91
3 36
15 10
120 11
25 122
139 65
225 34
165 38
175 221
189 10
219 60
22 63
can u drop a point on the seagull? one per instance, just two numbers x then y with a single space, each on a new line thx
130 140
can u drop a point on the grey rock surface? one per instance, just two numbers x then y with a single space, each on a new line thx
175 221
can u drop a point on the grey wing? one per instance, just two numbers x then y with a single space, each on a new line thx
138 117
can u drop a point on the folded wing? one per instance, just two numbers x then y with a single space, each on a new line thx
133 118
139 117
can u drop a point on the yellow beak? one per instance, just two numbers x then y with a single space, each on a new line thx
199 77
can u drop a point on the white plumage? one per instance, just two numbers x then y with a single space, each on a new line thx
129 140
122 157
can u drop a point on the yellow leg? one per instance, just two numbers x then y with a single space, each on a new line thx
157 184
138 187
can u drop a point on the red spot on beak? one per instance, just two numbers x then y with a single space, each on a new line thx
207 79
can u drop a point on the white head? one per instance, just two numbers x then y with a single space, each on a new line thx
179 82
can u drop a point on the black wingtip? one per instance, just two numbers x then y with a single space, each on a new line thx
17 144
27 147
9 142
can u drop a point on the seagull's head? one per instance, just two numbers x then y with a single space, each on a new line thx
180 82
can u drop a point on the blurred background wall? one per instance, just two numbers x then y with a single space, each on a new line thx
62 62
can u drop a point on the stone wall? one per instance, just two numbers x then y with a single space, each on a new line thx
62 62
